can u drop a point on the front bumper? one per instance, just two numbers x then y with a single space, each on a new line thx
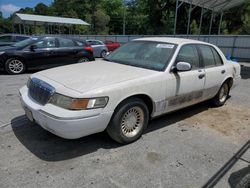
65 124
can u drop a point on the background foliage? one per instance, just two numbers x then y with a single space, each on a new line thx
142 17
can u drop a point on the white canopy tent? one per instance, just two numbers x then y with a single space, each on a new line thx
213 5
31 19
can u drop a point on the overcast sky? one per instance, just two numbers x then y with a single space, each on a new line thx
7 7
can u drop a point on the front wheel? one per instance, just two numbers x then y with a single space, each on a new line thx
222 95
129 121
14 66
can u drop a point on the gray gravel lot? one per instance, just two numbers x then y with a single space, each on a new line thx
183 149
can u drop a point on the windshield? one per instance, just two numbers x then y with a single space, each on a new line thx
25 42
145 54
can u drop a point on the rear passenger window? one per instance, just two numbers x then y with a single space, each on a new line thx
207 54
188 53
66 42
217 57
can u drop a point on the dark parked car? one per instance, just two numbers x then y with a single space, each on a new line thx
9 39
43 52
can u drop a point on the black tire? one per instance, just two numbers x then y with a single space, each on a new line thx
220 99
10 66
103 53
82 60
116 129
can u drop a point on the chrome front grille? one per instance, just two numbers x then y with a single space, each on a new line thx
40 91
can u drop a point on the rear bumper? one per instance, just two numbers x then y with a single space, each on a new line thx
62 126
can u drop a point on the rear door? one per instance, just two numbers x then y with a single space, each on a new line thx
186 87
214 69
67 51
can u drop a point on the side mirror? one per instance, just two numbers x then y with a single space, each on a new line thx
33 47
183 66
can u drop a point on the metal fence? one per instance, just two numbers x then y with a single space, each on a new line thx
236 46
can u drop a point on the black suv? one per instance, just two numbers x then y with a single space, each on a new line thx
43 52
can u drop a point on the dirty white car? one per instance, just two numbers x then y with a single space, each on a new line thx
143 79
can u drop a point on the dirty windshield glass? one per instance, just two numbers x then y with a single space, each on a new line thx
145 54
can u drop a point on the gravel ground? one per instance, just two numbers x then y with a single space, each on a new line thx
183 149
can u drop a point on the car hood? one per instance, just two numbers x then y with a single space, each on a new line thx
84 77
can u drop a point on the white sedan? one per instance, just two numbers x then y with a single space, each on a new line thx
143 79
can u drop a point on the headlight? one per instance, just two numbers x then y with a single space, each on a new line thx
1 53
77 103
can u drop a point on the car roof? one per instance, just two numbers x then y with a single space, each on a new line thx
170 40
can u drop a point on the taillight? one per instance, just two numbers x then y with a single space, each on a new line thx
88 48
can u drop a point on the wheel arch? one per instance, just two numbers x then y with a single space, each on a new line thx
144 97
17 57
229 80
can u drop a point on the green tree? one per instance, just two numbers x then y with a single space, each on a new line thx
26 10
41 9
194 28
156 14
114 10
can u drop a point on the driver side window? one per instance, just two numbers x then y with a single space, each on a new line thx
189 54
46 43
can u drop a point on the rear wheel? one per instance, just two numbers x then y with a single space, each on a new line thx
222 95
129 121
15 66
82 60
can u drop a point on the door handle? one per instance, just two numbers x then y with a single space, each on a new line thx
223 71
201 75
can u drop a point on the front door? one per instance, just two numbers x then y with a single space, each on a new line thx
44 53
185 88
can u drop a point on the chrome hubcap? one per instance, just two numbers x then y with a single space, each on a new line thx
16 66
223 93
132 121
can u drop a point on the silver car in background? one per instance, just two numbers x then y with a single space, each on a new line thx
99 48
